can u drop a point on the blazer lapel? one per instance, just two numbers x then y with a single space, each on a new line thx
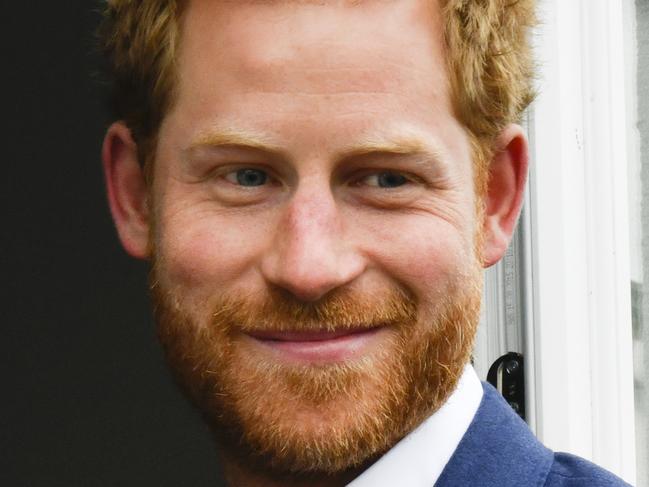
497 450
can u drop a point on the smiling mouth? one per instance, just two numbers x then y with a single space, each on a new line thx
318 346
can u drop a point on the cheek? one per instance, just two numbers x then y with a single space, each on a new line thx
425 254
206 251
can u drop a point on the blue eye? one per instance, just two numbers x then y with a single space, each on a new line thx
385 180
247 177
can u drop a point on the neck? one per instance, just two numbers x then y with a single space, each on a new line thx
238 475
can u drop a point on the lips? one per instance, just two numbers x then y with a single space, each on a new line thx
317 346
306 336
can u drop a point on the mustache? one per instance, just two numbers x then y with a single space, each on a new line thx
341 309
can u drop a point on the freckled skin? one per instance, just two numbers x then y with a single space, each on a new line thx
316 78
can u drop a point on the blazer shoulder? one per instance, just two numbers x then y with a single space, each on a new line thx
571 471
499 450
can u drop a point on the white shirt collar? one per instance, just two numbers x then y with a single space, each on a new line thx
419 458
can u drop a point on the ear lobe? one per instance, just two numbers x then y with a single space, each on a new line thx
505 191
127 190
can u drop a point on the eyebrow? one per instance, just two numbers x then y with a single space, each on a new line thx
408 144
404 142
235 137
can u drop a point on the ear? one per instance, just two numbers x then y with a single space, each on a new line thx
505 190
127 190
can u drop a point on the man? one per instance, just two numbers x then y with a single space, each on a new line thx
318 186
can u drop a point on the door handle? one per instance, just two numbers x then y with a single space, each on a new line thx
507 375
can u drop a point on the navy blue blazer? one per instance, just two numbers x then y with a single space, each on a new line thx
499 450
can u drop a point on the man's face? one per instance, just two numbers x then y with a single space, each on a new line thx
315 278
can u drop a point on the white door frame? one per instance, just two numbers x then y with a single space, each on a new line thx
581 340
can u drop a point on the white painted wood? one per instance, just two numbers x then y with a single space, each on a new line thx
527 324
608 238
559 235
580 248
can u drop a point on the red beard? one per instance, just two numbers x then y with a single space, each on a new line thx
322 418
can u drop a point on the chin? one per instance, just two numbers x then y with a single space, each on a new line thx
288 412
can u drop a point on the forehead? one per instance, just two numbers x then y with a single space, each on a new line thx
282 64
285 30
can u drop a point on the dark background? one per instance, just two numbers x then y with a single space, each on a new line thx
86 398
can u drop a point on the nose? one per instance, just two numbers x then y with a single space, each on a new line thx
312 252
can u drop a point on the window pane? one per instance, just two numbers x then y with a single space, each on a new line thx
639 222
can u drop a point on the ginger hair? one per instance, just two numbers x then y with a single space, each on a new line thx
491 69
139 40
489 62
